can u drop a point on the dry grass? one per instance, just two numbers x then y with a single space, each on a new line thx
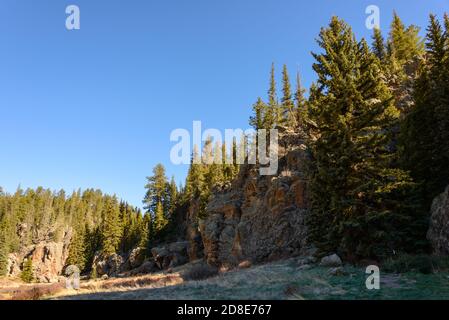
277 280
13 289
97 289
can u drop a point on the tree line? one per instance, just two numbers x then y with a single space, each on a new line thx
95 222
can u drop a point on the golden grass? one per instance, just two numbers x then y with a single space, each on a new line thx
15 289
122 285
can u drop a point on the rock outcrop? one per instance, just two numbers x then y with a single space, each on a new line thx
260 218
438 233
107 265
48 259
171 255
163 257
195 247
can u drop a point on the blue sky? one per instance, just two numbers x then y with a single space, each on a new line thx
95 107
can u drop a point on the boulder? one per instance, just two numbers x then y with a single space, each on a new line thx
107 265
136 257
332 260
438 233
171 255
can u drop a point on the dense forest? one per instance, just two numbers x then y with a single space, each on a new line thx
376 122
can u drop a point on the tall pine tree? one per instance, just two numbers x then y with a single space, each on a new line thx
353 111
288 114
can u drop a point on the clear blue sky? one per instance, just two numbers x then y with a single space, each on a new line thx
95 107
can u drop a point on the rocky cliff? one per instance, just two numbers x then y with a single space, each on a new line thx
48 259
259 218
438 233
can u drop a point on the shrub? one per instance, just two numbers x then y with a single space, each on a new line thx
200 272
425 264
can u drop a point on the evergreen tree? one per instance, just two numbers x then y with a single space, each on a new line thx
145 231
404 42
257 120
300 103
353 111
288 115
156 189
404 52
195 176
379 47
159 219
111 228
272 115
77 254
27 274
172 196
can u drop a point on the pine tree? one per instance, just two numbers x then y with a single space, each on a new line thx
217 166
272 115
353 111
300 103
27 274
195 176
145 231
379 47
77 254
288 115
160 221
257 120
156 189
111 228
172 196
404 52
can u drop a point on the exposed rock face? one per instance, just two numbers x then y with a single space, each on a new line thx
135 259
48 260
110 265
170 256
195 247
438 233
260 218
